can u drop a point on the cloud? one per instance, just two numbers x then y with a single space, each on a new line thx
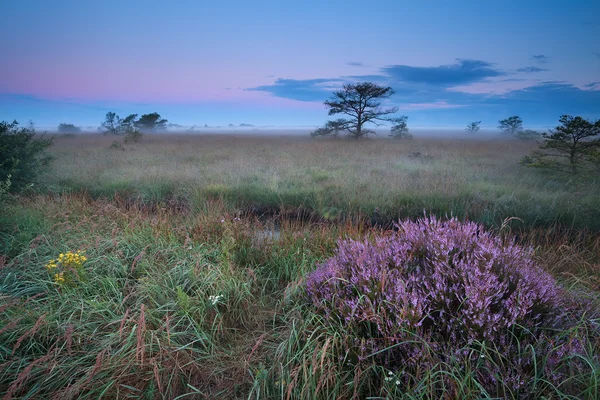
436 105
463 72
355 64
464 90
300 89
593 85
540 58
531 69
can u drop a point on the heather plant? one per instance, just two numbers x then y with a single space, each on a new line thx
448 292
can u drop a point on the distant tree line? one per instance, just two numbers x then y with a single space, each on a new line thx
132 126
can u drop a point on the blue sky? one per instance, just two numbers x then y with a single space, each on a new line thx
275 62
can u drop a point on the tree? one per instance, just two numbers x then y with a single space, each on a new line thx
400 129
361 103
576 139
22 155
151 122
511 125
473 127
127 123
111 123
68 128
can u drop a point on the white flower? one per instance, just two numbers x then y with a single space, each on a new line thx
215 299
222 221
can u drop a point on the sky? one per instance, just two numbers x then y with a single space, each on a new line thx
273 63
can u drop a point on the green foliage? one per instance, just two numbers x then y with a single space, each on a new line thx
473 127
22 155
511 125
68 128
4 189
571 146
400 129
361 102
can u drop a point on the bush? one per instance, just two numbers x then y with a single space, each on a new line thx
116 145
22 155
133 135
68 128
446 292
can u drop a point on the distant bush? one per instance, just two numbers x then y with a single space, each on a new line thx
437 291
116 145
68 128
22 155
528 134
133 135
400 129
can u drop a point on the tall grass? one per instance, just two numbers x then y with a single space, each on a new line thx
197 250
381 179
143 323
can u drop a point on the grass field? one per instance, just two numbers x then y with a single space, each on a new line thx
197 251
380 179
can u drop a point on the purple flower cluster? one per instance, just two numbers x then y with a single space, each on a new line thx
446 282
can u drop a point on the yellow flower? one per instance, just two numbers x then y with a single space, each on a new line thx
59 278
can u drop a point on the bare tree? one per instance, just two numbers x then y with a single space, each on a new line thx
111 123
473 127
361 103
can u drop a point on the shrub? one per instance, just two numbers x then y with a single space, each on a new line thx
116 145
22 155
528 134
441 292
133 135
68 128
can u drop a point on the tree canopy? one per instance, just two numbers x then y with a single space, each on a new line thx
361 103
151 122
